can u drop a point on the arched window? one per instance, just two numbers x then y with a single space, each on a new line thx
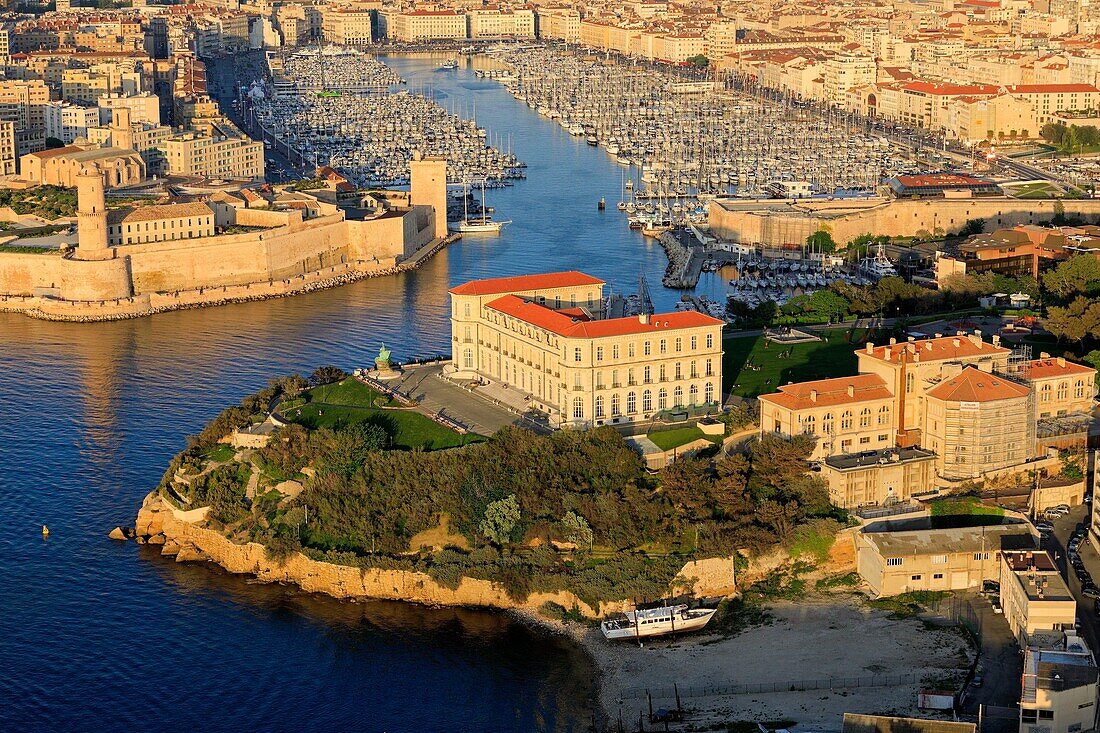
578 408
678 396
809 425
827 423
708 393
884 415
615 406
468 358
865 417
1063 390
647 401
693 395
1044 393
846 420
599 406
662 399
1079 388
631 403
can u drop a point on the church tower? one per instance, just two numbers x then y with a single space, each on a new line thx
122 134
91 215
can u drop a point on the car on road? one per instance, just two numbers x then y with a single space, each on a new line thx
1090 591
991 588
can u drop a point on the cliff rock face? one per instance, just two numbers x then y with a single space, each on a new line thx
186 540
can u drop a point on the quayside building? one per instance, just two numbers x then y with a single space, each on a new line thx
546 337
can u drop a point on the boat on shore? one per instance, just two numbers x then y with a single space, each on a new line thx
659 621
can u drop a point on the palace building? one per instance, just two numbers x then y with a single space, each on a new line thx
547 336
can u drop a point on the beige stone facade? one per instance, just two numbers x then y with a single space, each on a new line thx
214 157
895 561
880 477
1059 688
60 166
545 336
1034 595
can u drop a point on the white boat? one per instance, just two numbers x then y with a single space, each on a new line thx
878 266
656 622
478 224
450 65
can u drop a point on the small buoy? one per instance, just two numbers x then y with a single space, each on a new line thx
45 531
602 204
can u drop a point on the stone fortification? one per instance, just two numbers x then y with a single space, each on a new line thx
777 223
181 535
290 254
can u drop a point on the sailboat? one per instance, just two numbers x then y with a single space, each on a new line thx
480 223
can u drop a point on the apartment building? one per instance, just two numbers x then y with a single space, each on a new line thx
1035 598
908 555
163 223
545 337
425 25
144 107
8 155
1061 387
342 25
1059 688
878 477
26 100
66 121
208 156
559 23
846 71
497 22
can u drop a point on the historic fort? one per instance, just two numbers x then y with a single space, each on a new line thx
136 261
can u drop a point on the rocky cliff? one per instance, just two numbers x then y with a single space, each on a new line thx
181 535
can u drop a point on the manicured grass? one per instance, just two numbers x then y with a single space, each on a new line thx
963 506
1034 191
349 392
834 357
408 429
22 249
669 439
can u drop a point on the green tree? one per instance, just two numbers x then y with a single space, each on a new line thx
1077 275
1093 358
501 519
344 451
1077 320
575 529
699 61
821 241
327 375
972 227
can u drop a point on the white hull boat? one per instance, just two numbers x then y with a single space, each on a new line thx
656 622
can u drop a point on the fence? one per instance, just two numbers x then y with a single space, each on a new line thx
752 688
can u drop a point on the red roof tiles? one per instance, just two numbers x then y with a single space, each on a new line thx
974 385
521 283
574 325
827 392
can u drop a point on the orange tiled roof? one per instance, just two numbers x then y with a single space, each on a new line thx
1045 368
935 349
580 326
834 391
974 385
519 283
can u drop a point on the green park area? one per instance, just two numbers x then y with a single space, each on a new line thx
349 402
669 439
753 366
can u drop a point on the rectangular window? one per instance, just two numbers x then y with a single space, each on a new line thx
577 354
1046 715
914 577
981 555
864 440
937 576
939 559
1028 715
894 561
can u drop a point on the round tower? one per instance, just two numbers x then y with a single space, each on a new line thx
91 215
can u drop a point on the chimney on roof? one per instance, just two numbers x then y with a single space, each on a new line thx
1044 355
1062 362
912 339
813 395
928 345
956 343
643 318
996 339
851 390
939 336
893 341
870 347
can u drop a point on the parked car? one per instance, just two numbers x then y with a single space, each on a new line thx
1090 591
991 587
978 681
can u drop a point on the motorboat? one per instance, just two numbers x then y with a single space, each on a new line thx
642 623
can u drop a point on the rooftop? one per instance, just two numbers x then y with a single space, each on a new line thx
857 723
828 392
524 283
1056 367
909 542
878 457
572 324
974 385
942 348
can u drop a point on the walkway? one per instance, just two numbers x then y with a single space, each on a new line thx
437 395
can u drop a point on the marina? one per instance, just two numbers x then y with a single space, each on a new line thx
343 109
685 143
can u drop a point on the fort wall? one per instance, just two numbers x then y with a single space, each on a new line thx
774 223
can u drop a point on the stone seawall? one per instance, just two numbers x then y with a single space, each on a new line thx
180 536
54 309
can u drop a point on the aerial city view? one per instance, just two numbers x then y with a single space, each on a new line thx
653 365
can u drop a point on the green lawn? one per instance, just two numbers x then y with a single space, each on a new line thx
669 439
350 392
409 429
1034 191
221 452
964 505
834 357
